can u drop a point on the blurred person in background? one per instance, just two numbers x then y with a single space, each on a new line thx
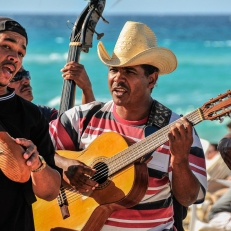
211 151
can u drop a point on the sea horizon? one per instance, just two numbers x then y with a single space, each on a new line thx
201 43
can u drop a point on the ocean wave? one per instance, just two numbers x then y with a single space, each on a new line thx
226 43
59 40
46 58
53 57
55 102
211 60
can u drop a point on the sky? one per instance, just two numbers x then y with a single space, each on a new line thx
160 7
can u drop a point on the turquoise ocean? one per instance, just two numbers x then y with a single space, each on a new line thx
202 45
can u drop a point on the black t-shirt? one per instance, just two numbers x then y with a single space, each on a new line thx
21 119
49 112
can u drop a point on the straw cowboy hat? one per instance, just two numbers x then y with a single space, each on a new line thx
136 45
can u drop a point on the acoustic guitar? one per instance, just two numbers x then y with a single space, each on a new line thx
122 178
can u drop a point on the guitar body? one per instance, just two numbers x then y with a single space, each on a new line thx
12 163
121 190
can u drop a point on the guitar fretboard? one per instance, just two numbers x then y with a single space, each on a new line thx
147 145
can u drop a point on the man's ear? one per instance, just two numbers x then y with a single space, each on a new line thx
153 79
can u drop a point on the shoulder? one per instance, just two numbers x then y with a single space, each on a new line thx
174 117
28 106
49 112
84 109
46 108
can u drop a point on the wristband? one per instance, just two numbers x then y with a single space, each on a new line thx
42 166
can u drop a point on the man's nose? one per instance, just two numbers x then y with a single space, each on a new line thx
13 57
25 80
119 76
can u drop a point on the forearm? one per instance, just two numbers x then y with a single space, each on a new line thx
46 183
66 165
63 162
87 96
185 185
76 174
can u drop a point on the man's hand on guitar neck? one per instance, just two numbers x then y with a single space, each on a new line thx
185 185
76 174
180 138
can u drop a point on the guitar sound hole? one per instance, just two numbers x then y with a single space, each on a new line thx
101 174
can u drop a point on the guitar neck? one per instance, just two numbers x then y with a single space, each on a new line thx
147 145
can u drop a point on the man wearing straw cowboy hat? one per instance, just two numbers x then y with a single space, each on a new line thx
175 167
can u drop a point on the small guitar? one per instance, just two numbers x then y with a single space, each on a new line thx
114 163
12 163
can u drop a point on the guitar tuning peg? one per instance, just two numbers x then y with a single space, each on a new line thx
221 120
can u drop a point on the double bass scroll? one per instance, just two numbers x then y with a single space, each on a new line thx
81 40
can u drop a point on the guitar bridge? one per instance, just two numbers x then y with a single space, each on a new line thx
63 203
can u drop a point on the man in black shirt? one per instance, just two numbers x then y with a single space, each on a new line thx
23 121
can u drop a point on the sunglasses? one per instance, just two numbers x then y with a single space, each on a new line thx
20 75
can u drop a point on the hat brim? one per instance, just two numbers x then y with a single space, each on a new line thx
160 57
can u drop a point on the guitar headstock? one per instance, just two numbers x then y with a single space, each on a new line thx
217 108
84 27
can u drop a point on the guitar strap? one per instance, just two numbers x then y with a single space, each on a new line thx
159 117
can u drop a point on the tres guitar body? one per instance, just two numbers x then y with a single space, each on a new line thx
118 189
